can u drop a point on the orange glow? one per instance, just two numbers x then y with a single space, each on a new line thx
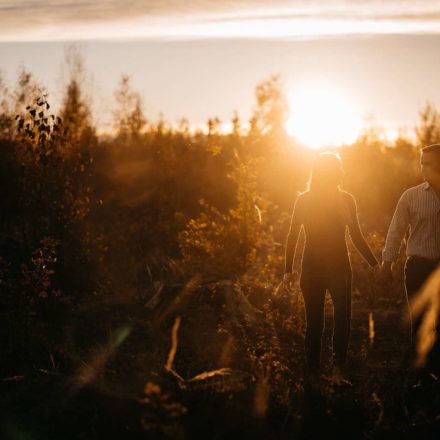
322 116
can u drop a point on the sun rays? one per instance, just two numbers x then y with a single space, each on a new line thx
321 116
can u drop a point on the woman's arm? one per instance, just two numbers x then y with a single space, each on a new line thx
356 233
292 237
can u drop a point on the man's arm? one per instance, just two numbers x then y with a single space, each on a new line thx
356 234
396 231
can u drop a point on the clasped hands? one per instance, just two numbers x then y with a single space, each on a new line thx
288 280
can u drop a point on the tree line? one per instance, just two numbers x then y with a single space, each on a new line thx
87 216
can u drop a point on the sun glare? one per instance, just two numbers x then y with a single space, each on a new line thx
321 117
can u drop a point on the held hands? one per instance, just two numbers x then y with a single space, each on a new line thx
385 276
288 280
376 270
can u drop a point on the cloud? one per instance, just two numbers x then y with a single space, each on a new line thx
37 20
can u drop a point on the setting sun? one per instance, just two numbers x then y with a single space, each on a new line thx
322 117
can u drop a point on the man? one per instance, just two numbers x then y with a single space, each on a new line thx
418 209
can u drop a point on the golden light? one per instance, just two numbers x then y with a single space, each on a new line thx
321 116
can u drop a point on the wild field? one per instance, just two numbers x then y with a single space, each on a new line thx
140 279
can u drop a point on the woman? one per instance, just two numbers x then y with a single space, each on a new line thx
325 212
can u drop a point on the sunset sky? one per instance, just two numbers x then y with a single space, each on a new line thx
360 60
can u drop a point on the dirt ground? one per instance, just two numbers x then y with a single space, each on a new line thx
115 376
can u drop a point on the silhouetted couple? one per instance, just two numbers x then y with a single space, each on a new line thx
326 212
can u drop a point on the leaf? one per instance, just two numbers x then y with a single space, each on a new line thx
47 106
33 113
213 373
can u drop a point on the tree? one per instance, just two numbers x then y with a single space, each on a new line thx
77 153
428 132
236 243
6 116
75 111
129 118
271 111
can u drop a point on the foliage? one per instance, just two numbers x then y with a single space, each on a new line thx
428 131
129 119
92 228
271 110
232 244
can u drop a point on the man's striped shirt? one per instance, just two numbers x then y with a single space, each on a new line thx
418 209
